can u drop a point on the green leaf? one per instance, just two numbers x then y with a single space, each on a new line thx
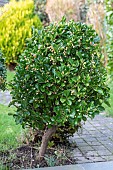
84 118
72 115
101 108
62 100
57 102
66 93
107 103
69 102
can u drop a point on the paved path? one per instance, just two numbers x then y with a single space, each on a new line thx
94 142
86 166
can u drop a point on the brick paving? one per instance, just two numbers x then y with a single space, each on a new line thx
94 142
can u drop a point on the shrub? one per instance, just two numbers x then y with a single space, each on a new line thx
96 17
60 79
58 8
40 10
16 20
109 19
2 72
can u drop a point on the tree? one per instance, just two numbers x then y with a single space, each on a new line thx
60 79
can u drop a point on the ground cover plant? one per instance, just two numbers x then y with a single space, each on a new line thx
60 80
16 21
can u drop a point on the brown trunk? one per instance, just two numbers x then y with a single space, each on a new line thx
45 139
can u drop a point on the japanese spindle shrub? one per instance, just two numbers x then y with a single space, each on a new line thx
60 79
16 20
2 72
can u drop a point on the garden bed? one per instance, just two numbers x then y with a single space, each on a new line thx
26 157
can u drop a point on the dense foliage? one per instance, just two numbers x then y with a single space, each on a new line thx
109 19
16 20
2 72
60 79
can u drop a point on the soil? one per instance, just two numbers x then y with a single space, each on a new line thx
26 157
12 66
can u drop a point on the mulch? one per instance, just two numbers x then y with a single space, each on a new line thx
26 157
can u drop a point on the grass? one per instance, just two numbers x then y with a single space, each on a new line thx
10 133
109 110
10 75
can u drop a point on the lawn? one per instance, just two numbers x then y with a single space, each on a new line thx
109 110
10 133
10 75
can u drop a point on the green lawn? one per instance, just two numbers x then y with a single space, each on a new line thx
10 75
109 110
10 133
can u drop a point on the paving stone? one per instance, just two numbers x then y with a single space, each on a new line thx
92 154
5 97
86 137
84 166
94 143
76 153
68 167
82 143
103 138
108 158
104 152
81 160
97 159
80 140
107 143
90 139
85 149
98 166
98 135
107 131
98 148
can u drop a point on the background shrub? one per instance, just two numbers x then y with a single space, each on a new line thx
40 10
16 20
60 79
69 8
2 72
109 19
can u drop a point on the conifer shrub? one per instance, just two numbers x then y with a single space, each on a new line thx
16 20
60 80
2 72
